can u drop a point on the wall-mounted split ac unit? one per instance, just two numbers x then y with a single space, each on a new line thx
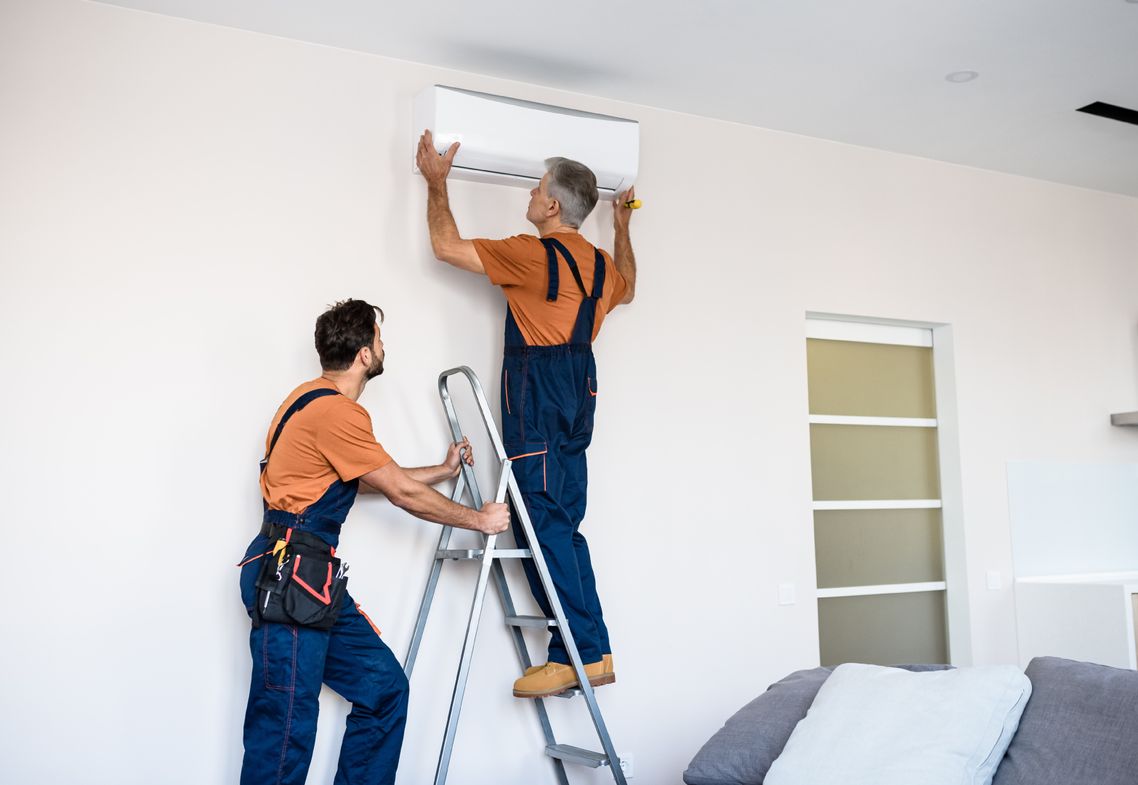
505 140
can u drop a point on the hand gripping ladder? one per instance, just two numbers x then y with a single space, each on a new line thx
490 557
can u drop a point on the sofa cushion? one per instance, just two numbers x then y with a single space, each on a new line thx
742 751
744 748
1080 726
880 726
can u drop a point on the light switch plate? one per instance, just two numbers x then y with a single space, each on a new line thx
786 595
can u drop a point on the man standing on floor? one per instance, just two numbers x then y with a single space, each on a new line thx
320 450
559 288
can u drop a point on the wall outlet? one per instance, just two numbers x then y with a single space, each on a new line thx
626 765
786 594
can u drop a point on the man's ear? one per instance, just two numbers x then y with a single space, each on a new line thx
554 207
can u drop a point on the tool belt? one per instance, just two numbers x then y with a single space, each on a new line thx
300 582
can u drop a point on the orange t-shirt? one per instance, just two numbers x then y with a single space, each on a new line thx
518 264
329 439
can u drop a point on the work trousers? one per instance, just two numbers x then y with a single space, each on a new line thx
548 425
289 665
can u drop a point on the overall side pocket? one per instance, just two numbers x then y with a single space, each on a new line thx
529 465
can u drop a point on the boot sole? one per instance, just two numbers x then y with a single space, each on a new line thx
595 681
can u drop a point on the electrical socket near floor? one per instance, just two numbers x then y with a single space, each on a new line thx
626 765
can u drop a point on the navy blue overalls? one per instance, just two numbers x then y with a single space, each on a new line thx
548 401
291 662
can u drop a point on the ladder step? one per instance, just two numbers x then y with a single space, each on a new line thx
470 553
571 754
530 621
476 553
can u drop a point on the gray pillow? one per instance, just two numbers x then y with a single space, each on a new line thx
742 751
1080 726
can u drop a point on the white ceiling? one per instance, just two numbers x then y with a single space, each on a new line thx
866 72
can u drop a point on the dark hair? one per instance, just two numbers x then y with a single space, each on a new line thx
343 330
574 186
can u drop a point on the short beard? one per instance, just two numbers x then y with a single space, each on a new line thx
375 370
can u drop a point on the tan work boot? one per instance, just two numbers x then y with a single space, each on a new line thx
609 668
553 678
606 659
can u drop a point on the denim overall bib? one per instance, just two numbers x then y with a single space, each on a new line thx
548 402
291 662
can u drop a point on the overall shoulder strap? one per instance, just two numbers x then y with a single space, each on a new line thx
598 275
550 244
554 276
297 405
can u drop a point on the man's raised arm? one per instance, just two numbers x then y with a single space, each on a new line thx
622 255
446 242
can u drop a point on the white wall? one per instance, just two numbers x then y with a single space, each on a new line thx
177 204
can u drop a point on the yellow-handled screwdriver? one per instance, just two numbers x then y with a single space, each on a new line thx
633 204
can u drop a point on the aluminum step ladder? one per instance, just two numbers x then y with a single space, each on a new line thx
490 557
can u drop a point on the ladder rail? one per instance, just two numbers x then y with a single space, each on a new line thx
469 640
432 584
586 688
483 407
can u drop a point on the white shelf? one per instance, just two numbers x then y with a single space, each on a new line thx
1094 578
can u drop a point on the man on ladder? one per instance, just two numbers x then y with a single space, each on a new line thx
559 288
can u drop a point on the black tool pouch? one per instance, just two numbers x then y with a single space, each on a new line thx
305 588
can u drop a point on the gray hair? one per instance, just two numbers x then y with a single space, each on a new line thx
574 186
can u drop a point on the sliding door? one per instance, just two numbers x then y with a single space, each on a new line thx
879 545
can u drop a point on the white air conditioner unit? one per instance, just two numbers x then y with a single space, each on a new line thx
505 140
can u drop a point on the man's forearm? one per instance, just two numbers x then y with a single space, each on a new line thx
440 220
625 261
446 242
429 475
425 502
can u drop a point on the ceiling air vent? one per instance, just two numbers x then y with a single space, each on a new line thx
1112 112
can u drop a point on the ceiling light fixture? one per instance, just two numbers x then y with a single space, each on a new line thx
959 77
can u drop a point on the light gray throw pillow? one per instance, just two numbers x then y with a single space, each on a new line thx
742 751
882 726
1079 728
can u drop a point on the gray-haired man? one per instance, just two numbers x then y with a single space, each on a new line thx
549 379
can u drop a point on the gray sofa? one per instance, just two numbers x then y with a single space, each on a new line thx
1080 727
